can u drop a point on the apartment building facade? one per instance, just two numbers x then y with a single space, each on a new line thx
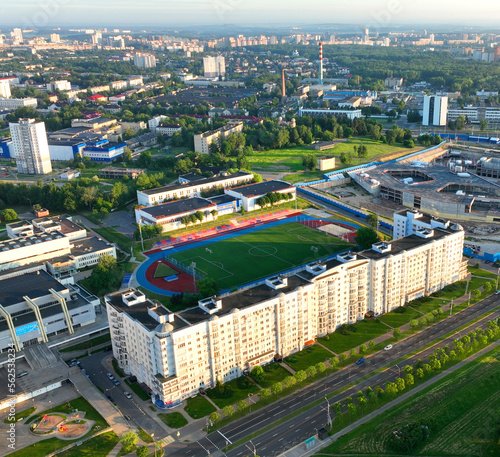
203 141
176 354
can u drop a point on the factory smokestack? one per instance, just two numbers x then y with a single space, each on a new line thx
320 63
283 88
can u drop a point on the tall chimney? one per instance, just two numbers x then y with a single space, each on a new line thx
320 63
283 88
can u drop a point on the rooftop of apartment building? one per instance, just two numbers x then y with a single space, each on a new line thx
221 129
262 188
178 207
15 243
87 245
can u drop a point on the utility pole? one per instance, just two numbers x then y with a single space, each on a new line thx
140 232
451 306
328 417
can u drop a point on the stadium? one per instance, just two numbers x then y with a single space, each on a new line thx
243 257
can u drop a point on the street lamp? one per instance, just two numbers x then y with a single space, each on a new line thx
451 305
154 443
498 274
328 417
254 449
249 403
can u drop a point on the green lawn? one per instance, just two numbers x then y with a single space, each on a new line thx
21 415
162 271
461 411
483 273
88 344
476 283
240 387
428 304
366 330
398 319
253 256
198 407
307 357
274 373
291 158
173 420
100 446
455 290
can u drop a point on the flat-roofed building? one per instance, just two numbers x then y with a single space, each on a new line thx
203 141
119 172
196 188
251 193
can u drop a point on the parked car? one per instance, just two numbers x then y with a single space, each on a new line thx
109 375
72 362
116 382
389 346
127 394
360 361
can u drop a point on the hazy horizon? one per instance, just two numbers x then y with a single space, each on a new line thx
375 14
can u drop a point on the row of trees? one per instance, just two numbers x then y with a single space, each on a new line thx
273 198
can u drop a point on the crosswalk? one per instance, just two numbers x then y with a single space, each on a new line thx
164 442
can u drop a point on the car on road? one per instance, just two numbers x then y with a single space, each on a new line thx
389 346
116 382
360 361
127 394
109 375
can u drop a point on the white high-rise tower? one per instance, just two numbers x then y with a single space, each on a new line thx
31 147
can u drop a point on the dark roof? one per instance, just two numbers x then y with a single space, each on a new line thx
191 177
34 285
223 199
201 181
178 207
262 188
88 245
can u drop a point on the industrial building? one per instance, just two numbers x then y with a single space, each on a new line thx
174 355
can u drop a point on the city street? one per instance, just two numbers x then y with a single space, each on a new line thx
133 408
303 426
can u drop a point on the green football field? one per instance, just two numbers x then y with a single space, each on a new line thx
263 253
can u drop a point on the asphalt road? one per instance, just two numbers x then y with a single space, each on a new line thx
134 408
303 426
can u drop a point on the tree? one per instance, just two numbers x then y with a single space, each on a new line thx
414 323
276 388
8 215
396 333
320 367
372 219
300 375
419 373
362 348
311 371
264 393
352 352
371 344
142 451
242 405
128 440
391 389
257 373
487 287
89 195
351 409
214 417
409 380
483 123
228 410
334 361
342 357
365 237
289 381
127 154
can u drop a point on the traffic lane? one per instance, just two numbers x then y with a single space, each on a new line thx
128 407
304 426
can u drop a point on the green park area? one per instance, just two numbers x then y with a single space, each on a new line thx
307 357
198 407
459 416
290 159
232 392
256 255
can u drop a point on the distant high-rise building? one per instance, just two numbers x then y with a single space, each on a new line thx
214 66
144 60
55 38
17 35
366 35
31 147
4 89
435 110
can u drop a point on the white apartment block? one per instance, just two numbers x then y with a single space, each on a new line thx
407 222
435 110
14 103
58 85
55 38
118 85
31 147
214 66
176 354
203 141
150 197
4 89
144 60
136 82
475 114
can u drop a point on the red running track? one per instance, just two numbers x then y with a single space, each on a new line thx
183 283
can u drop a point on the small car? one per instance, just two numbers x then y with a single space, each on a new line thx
360 361
127 394
389 346
109 375
116 382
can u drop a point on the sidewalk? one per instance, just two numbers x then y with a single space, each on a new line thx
300 451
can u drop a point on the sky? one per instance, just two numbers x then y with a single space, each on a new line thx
375 14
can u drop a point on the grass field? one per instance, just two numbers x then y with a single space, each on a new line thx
253 256
100 446
291 158
162 271
461 411
173 420
398 319
240 390
366 330
307 357
273 373
198 407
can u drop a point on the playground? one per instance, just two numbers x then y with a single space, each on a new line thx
259 249
65 427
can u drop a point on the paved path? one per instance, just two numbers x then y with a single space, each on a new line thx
300 451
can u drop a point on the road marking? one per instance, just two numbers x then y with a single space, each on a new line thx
291 426
281 439
275 435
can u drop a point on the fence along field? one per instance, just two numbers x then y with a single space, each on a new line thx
462 412
269 251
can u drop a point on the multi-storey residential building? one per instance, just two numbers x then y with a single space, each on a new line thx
31 147
203 141
475 114
176 354
214 66
58 85
14 103
142 60
150 197
435 110
4 89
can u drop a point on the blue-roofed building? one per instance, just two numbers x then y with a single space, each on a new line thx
6 148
